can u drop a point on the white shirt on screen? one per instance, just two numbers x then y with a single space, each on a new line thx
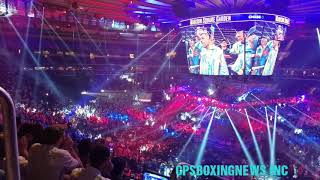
212 61
271 60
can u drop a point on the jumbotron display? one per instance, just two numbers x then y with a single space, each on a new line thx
234 44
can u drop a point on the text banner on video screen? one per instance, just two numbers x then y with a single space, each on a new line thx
234 44
239 17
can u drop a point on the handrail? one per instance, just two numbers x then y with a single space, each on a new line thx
7 111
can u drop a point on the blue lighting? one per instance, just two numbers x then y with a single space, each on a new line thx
145 7
153 28
142 12
166 130
158 3
117 116
151 109
166 21
318 33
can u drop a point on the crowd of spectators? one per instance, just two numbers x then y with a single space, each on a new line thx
49 153
53 146
42 117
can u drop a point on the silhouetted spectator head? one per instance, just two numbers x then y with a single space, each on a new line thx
37 132
25 130
52 136
99 156
118 167
84 148
32 132
2 148
18 122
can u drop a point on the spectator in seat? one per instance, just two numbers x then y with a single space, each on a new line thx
84 148
28 134
99 159
2 157
118 170
50 160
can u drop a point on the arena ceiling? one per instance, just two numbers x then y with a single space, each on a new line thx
170 11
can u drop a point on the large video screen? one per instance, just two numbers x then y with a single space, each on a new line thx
234 44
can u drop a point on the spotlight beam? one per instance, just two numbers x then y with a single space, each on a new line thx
120 128
297 160
302 113
254 140
269 133
54 88
253 118
146 50
62 41
41 32
285 137
273 154
191 112
159 70
20 77
143 53
261 101
318 33
93 42
185 145
125 67
167 59
264 124
243 146
208 114
59 37
315 174
205 140
152 132
291 125
35 89
303 134
259 113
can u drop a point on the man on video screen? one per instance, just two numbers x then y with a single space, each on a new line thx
273 49
261 57
212 61
245 49
193 57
